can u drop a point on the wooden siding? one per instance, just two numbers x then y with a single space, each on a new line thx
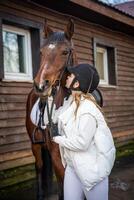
15 147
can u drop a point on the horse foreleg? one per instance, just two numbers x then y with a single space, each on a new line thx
60 191
36 148
59 172
59 169
40 193
56 161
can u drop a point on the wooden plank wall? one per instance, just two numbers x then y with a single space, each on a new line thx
14 141
15 147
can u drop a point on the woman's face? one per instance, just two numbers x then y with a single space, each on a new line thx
69 80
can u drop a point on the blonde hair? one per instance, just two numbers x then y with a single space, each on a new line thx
77 99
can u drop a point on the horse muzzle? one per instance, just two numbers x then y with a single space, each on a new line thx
42 89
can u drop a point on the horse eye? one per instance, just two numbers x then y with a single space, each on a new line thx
65 52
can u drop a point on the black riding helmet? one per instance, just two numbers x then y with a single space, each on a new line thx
87 76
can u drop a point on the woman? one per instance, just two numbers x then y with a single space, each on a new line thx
85 141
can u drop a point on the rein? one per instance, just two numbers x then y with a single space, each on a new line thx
69 62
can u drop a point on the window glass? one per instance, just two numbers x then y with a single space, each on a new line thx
17 53
102 64
13 52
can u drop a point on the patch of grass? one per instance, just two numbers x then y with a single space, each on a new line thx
125 150
16 171
13 178
17 180
10 191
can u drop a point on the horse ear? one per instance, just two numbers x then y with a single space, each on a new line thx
69 30
47 30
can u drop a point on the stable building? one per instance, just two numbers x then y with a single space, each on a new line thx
104 36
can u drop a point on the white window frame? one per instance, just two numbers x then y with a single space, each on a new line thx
105 59
28 76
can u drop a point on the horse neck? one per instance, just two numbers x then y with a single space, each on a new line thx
63 92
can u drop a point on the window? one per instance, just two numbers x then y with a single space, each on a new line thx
102 64
17 53
105 61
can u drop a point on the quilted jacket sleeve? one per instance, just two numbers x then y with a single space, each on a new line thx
81 140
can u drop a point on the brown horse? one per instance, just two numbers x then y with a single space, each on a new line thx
56 54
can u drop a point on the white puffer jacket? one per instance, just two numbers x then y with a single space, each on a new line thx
88 141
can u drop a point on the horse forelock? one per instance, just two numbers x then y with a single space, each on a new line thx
56 37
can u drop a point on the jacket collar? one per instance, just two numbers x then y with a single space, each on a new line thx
68 113
86 106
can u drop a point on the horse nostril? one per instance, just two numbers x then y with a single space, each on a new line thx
35 85
38 88
41 88
46 82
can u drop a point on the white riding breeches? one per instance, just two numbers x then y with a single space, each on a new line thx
74 190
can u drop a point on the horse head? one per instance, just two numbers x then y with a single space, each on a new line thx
56 54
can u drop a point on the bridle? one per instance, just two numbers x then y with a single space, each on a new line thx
69 62
55 88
